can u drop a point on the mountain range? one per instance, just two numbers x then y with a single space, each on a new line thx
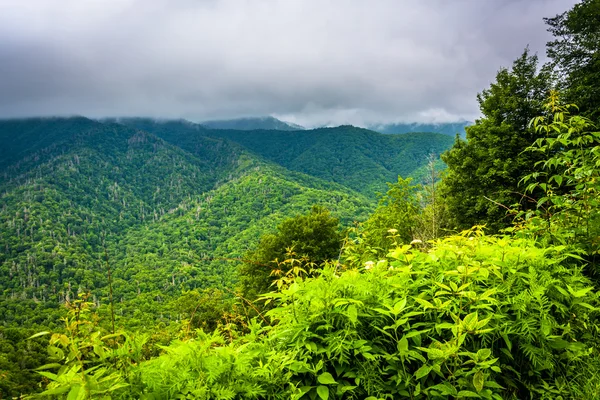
168 205
272 123
251 123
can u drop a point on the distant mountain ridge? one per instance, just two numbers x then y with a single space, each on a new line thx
446 128
357 158
252 123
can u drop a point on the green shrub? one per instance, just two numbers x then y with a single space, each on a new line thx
475 316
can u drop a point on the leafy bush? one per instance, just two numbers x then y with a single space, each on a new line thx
475 316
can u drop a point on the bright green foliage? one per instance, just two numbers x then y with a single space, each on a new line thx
394 220
89 363
569 177
315 237
484 171
575 53
476 316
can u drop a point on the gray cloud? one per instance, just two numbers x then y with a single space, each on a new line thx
308 61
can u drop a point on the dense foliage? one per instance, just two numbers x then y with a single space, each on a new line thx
357 158
476 316
447 128
575 53
313 238
484 171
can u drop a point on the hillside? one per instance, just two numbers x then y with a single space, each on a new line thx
100 186
357 158
248 124
360 159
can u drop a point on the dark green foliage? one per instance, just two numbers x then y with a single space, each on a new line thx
19 356
575 52
314 237
354 157
483 175
204 309
357 158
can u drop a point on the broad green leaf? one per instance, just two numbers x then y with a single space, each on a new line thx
478 380
352 313
48 375
48 366
415 333
423 371
399 306
76 393
470 321
323 392
467 393
39 334
326 379
426 304
579 293
403 345
445 389
483 354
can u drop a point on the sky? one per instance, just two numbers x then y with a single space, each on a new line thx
311 62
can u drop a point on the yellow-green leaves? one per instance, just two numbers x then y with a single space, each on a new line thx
478 380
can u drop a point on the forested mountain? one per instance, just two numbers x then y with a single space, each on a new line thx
248 124
447 128
360 159
107 186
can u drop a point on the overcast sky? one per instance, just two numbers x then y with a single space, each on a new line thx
312 62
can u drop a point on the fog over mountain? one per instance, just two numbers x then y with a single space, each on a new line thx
308 62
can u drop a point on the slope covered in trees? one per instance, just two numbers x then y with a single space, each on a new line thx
508 316
360 159
108 190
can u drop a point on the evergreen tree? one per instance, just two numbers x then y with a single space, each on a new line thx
575 53
484 171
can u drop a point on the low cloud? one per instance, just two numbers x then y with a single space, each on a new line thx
312 62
